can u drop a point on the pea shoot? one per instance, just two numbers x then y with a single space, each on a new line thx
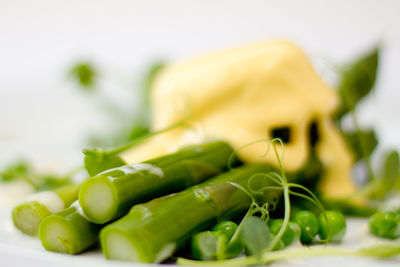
255 234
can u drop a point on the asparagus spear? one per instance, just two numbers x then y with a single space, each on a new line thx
110 194
68 231
28 215
151 232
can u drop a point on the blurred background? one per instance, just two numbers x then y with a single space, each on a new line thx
46 118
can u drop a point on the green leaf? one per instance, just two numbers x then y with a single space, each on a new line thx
368 139
96 161
357 81
40 181
391 167
49 181
84 73
388 177
255 236
15 171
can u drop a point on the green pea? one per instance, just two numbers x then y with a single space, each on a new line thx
385 224
308 223
332 225
227 228
290 235
204 245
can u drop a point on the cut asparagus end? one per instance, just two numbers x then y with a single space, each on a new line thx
28 216
118 246
98 199
59 235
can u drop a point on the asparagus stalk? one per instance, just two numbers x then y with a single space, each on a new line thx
152 232
28 215
110 194
68 231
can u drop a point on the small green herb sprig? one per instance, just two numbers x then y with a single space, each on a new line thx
253 231
96 159
85 74
22 170
133 124
99 158
356 83
259 242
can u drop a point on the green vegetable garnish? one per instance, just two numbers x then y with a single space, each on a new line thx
358 80
309 225
363 143
15 171
22 170
389 176
332 226
228 228
85 74
134 123
255 236
291 234
385 224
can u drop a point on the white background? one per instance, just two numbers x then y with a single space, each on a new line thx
44 117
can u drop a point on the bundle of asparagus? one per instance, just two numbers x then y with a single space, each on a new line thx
110 195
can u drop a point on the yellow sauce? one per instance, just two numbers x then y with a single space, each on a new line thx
239 96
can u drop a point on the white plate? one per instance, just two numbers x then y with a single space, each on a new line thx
17 249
